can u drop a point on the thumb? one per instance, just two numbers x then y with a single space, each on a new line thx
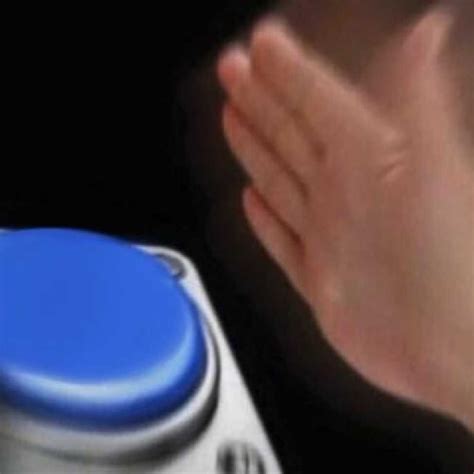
408 78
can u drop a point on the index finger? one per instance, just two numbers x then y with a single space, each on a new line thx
327 103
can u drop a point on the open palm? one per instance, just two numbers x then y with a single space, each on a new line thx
366 201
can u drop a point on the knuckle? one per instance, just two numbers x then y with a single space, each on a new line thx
392 140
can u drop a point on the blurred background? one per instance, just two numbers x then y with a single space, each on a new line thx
113 124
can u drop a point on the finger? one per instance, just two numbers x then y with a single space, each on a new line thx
426 90
273 182
407 68
282 246
267 116
409 80
313 91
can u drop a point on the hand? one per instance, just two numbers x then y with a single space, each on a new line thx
366 201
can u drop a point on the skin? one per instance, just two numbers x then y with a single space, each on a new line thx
364 195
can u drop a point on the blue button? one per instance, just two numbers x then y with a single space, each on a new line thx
93 331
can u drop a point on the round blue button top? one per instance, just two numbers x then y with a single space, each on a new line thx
93 331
